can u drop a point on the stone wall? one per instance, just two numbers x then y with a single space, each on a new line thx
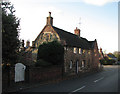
95 57
8 76
32 74
37 74
74 57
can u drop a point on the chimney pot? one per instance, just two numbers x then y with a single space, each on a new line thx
49 14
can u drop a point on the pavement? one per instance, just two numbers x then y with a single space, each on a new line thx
106 81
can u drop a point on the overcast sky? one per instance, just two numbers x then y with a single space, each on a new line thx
98 18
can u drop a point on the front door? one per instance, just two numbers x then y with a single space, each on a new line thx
77 67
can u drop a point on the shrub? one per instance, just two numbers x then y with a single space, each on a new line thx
52 52
42 63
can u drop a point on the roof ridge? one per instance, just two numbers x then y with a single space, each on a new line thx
68 32
64 30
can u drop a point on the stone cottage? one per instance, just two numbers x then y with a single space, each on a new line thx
80 54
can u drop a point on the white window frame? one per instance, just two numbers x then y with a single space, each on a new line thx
83 64
75 50
71 64
80 51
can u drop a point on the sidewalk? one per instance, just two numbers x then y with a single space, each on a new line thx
23 85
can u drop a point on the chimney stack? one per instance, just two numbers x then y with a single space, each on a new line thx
28 43
100 49
23 43
33 43
77 31
49 20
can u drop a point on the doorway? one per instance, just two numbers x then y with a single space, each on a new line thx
77 67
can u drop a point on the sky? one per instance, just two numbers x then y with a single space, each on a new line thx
98 18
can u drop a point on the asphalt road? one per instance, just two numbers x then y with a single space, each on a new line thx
105 81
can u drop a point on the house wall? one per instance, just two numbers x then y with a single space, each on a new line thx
74 57
48 34
95 57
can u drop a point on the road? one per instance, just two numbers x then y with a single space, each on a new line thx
105 81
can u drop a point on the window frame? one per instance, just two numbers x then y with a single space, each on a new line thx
71 63
75 50
80 51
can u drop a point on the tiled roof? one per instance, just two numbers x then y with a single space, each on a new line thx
74 40
91 44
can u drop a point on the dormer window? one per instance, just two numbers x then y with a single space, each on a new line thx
83 51
75 50
89 52
80 51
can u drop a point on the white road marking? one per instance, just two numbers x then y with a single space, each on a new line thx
98 79
77 89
